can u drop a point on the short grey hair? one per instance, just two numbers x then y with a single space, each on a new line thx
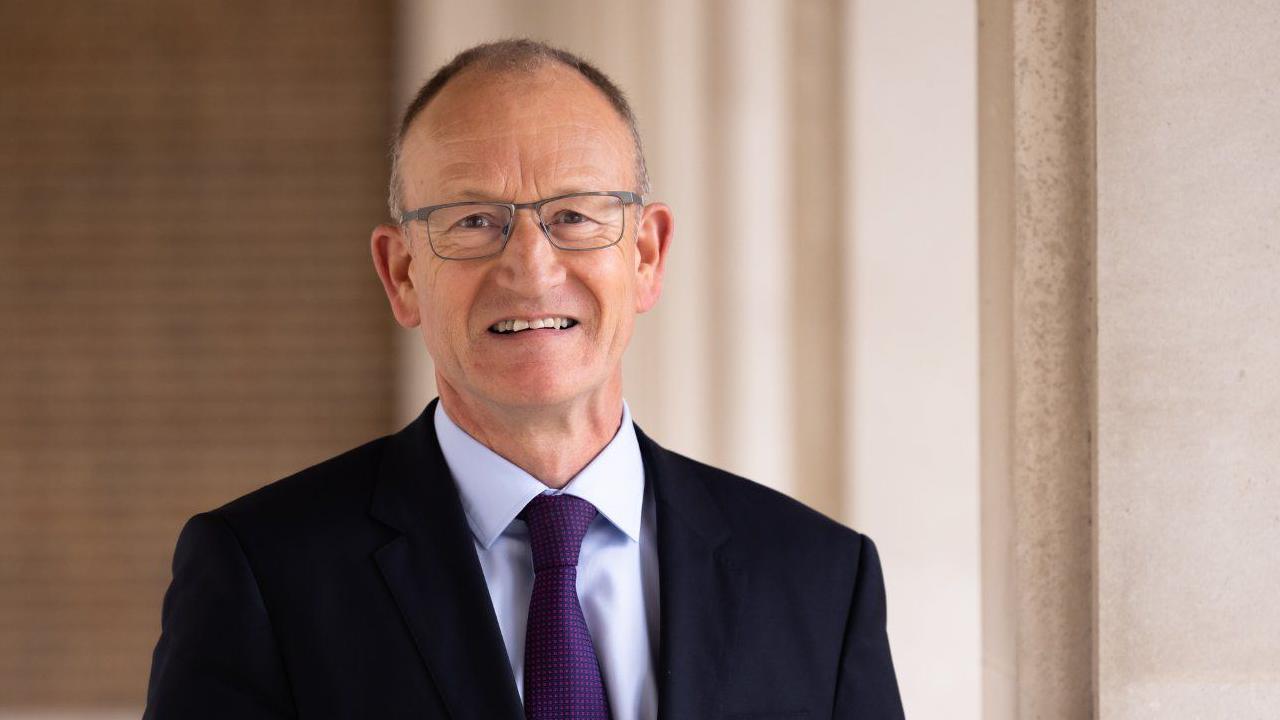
503 56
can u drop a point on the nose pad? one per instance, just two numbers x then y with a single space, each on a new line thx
509 228
506 229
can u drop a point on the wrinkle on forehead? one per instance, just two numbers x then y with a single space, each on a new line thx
518 135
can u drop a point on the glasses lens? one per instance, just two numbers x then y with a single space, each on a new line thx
584 222
467 231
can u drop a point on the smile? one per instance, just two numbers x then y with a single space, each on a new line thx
503 327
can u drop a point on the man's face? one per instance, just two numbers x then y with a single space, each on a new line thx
521 137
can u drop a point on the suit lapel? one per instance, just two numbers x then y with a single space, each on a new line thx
700 589
435 577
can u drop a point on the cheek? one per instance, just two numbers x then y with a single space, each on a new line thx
612 281
618 304
445 304
626 321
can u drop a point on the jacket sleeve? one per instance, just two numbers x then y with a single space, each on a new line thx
217 656
867 688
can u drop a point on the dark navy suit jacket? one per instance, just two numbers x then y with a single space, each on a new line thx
352 590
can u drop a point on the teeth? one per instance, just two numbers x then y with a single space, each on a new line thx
507 326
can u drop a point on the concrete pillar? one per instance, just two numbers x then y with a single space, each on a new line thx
1188 505
1036 209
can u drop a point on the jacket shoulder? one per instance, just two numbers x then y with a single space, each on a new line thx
755 510
798 557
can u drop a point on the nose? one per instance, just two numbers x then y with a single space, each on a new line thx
529 265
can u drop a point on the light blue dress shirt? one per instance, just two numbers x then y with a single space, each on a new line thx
617 566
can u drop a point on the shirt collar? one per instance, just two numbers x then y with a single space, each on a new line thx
494 490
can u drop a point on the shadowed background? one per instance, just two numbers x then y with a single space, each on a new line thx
186 304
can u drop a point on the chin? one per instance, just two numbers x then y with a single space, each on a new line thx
540 387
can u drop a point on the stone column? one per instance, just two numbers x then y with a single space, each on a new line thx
1036 221
1130 496
1188 503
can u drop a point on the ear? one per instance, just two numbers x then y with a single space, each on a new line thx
392 259
653 238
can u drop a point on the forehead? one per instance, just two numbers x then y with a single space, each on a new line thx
516 133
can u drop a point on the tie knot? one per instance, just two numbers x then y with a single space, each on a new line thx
557 524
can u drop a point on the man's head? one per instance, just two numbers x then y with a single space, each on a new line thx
518 122
511 56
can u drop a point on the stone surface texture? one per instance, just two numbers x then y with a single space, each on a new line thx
1188 350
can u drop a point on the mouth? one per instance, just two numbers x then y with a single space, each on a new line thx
517 326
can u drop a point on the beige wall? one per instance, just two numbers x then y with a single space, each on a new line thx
911 334
1188 263
1130 171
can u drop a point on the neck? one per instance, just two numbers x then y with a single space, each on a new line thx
551 442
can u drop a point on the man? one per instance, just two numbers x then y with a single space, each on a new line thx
521 549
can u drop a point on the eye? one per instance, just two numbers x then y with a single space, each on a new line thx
475 222
570 217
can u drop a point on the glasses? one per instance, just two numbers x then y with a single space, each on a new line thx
577 221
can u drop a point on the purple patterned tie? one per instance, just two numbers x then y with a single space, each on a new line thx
561 675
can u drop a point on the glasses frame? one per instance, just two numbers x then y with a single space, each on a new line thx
627 197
